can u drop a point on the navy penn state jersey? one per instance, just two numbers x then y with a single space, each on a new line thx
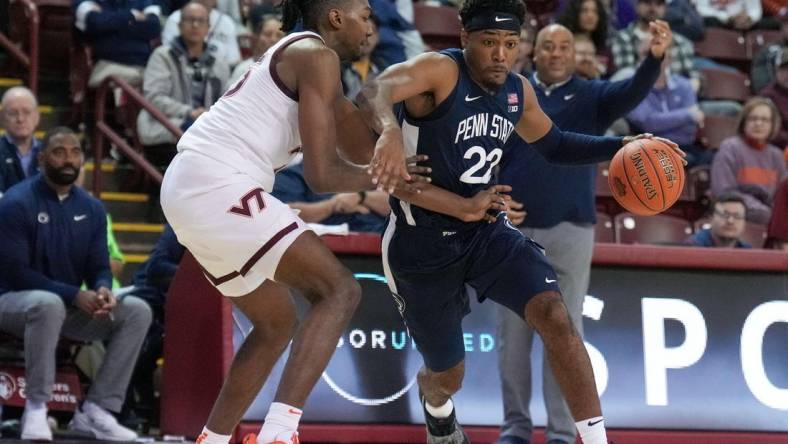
465 137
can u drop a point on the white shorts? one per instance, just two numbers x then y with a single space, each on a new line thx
235 229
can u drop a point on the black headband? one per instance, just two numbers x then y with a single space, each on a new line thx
493 20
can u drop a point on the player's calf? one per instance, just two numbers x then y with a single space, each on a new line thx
569 361
435 389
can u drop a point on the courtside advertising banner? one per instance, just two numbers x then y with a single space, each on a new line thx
671 349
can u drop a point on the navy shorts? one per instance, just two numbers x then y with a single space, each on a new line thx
428 271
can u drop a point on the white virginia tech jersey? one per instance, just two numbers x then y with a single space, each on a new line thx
254 126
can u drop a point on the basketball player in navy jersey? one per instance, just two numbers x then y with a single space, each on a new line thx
462 108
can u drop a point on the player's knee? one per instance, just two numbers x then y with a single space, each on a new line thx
351 293
278 330
345 294
548 314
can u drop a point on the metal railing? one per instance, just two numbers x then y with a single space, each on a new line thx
103 130
29 61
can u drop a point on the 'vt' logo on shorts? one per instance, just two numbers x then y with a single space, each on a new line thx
245 209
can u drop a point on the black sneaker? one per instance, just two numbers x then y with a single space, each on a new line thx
444 430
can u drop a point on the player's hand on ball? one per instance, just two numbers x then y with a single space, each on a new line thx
515 212
661 37
490 199
667 142
388 166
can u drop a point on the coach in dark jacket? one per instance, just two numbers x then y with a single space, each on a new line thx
559 203
53 238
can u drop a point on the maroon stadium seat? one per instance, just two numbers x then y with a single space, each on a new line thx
439 26
603 230
720 84
245 43
716 129
660 229
699 178
759 39
722 44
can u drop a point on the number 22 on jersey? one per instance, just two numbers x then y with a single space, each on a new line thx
484 159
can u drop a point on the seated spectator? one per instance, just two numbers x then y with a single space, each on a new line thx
221 37
362 211
777 234
778 93
18 147
182 79
587 65
267 31
120 33
524 63
358 72
619 13
683 17
734 14
589 18
52 239
398 39
727 224
151 283
748 164
671 111
764 65
627 43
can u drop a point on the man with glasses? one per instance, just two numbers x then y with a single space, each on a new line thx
18 146
182 79
727 225
222 37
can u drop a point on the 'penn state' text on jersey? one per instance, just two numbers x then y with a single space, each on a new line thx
465 138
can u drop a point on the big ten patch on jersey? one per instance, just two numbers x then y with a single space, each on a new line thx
465 137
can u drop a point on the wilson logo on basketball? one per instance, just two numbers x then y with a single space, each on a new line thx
637 160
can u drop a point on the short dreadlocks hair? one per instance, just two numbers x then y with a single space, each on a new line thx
309 11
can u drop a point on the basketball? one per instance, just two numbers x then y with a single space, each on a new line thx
646 176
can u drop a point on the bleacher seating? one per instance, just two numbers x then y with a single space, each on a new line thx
716 129
719 84
657 230
759 39
722 44
603 230
439 26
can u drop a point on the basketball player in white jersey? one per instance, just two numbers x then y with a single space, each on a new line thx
252 246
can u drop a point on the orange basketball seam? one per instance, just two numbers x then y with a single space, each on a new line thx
647 155
629 181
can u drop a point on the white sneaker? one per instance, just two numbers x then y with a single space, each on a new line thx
101 424
35 426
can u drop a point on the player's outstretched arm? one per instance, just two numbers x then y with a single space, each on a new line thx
399 82
470 209
564 147
555 145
